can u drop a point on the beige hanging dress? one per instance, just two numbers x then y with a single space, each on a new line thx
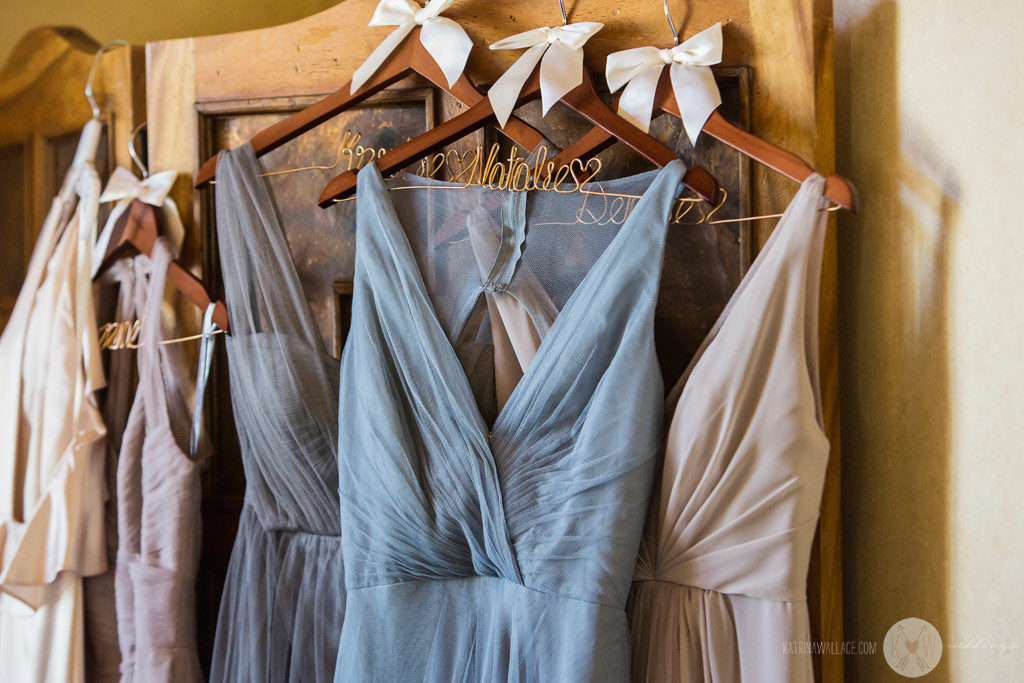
719 592
52 489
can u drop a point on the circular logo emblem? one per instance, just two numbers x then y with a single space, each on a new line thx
912 647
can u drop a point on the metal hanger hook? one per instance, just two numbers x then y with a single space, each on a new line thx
104 48
134 154
565 20
671 26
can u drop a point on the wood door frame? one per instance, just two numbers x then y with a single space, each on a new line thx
788 45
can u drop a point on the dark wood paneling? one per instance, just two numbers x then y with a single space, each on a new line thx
14 245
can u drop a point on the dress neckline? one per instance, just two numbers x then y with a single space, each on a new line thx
250 167
813 183
374 188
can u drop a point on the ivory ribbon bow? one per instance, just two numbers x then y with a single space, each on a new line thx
123 187
692 81
561 71
445 40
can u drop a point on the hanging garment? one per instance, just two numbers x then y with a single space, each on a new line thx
283 600
720 585
52 489
158 504
491 544
102 651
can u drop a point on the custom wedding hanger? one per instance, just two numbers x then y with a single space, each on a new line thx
138 227
837 189
582 99
410 56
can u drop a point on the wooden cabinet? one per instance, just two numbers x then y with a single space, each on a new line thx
202 94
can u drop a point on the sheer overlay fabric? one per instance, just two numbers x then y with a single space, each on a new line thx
491 531
720 585
283 599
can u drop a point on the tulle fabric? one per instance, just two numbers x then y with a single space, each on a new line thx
720 592
487 543
283 602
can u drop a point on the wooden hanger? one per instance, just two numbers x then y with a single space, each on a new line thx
409 57
138 227
837 189
583 99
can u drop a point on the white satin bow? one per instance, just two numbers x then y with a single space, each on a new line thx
561 71
445 40
692 81
123 187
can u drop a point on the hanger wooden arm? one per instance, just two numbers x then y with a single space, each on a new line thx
139 228
837 188
582 99
407 58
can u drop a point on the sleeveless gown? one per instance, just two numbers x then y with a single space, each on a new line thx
720 584
158 505
489 536
52 451
283 601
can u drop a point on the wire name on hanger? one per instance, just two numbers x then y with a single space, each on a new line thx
124 335
474 167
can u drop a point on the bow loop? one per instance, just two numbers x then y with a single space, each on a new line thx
152 190
559 49
693 83
123 187
444 39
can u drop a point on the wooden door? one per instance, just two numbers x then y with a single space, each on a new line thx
42 111
206 93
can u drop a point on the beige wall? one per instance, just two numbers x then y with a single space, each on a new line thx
930 127
140 21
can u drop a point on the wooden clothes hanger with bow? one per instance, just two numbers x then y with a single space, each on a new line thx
837 189
410 56
582 98
138 228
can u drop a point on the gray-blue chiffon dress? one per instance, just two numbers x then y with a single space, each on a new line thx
283 600
493 539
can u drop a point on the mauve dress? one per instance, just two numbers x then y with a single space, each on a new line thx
158 504
719 593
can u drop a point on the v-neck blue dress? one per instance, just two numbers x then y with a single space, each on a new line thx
487 544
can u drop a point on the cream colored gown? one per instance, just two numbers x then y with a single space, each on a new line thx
52 489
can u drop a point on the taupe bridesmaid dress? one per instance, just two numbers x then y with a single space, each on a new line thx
720 585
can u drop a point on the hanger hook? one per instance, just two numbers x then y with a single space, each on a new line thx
671 26
561 6
104 48
134 154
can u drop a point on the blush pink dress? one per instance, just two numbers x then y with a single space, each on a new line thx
720 584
